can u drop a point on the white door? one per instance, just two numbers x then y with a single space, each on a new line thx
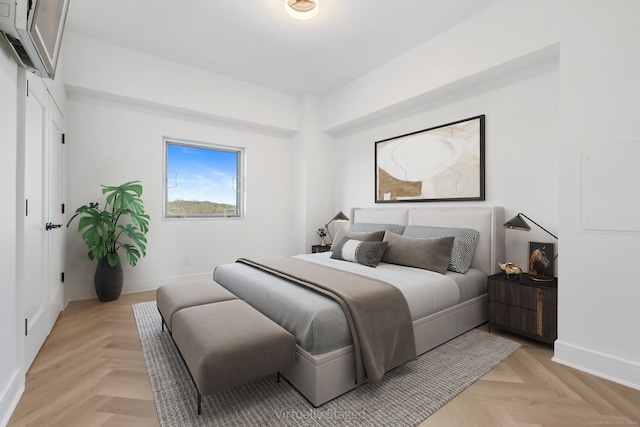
44 236
36 296
55 236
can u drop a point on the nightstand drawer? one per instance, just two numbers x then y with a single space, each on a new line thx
513 317
513 294
524 306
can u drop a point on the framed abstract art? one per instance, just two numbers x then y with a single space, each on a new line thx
442 163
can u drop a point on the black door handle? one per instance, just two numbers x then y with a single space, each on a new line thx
49 226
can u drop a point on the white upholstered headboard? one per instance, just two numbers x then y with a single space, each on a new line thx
488 220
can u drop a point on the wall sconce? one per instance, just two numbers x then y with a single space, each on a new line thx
340 217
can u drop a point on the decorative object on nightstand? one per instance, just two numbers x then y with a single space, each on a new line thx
538 260
525 307
322 232
511 270
541 261
340 217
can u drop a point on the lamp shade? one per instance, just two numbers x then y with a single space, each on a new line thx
517 223
340 217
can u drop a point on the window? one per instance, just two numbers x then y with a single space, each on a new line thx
202 180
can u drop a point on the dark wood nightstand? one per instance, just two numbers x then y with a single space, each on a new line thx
315 249
524 306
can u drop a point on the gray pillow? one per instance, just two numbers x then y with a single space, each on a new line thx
368 227
464 243
374 236
426 253
365 253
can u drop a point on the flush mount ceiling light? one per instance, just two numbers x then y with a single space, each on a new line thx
302 9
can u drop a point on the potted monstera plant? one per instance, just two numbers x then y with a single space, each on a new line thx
119 225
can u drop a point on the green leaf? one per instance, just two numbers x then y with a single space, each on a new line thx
134 234
113 259
132 254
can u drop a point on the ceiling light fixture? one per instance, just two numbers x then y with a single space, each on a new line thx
302 9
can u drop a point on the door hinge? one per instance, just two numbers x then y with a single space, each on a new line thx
26 207
63 209
62 277
27 88
26 328
63 138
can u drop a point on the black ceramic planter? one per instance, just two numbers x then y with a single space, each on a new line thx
108 280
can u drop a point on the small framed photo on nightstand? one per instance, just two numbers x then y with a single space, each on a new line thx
541 260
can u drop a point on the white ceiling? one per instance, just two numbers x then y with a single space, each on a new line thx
256 41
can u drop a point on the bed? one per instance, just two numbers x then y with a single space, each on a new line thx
450 305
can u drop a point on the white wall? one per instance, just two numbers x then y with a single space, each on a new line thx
498 41
469 70
521 135
11 377
111 143
104 70
599 106
125 101
312 178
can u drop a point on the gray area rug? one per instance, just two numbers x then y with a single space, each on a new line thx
405 396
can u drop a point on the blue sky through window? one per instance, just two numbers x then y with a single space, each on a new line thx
201 174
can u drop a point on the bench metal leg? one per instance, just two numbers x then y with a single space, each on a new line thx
161 321
199 403
278 378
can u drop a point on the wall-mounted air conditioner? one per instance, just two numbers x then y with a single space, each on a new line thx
33 29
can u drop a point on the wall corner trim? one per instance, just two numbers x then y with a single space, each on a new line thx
612 368
10 396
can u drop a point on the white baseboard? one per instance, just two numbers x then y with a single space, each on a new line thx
10 396
89 292
601 365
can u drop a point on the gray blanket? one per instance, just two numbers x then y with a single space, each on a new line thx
377 312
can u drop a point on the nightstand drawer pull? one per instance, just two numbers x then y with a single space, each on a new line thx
539 311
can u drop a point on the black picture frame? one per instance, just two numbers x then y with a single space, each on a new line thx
442 163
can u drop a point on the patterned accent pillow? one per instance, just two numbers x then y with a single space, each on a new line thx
425 253
465 241
365 253
374 236
368 227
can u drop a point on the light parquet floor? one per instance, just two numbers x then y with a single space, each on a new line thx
91 372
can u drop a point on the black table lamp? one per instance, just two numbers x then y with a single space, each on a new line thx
340 217
518 223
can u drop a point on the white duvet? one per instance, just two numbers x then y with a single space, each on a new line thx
426 292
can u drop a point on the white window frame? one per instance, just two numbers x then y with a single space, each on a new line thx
238 182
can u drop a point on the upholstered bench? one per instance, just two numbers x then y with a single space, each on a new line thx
172 298
223 340
229 343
